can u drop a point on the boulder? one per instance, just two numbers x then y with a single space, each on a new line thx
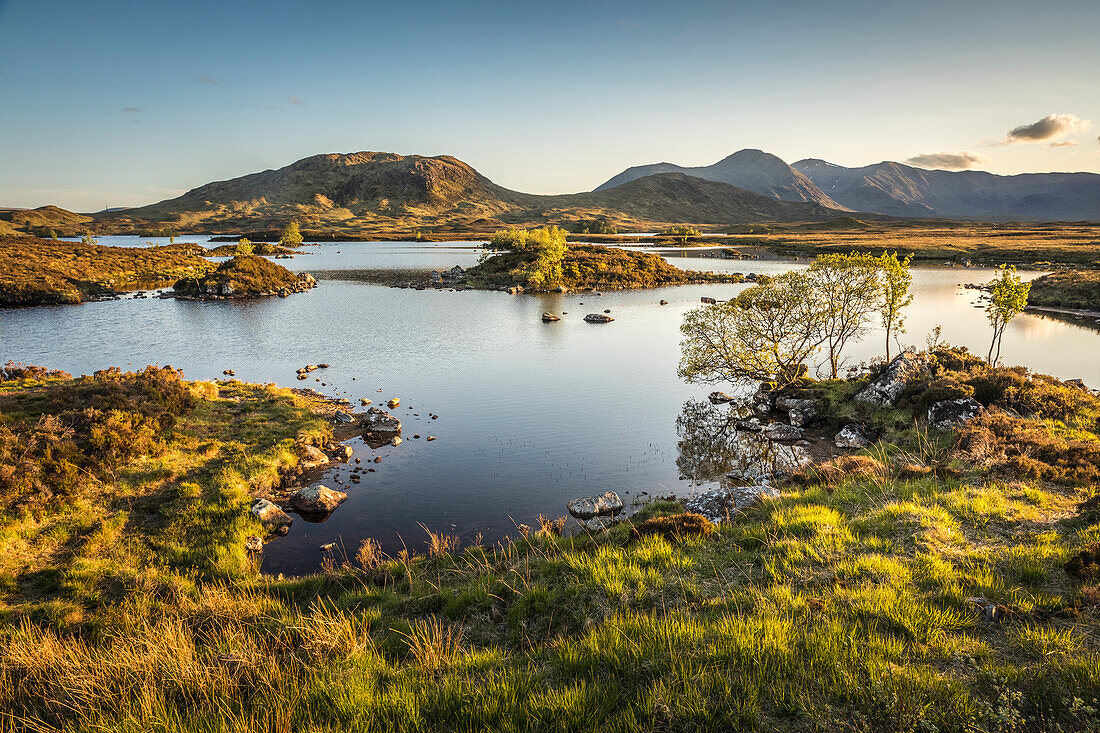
718 503
786 402
948 414
271 517
316 499
254 544
719 398
342 418
750 426
549 318
595 525
802 417
305 280
853 435
393 402
663 302
312 458
378 420
455 273
343 453
598 318
782 431
708 301
885 389
587 507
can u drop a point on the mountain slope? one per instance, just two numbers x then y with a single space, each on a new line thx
750 169
374 191
901 190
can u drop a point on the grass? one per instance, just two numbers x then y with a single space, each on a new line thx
1077 289
35 271
845 604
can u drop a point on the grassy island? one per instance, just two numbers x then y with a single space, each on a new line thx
540 259
1075 289
244 276
935 580
35 271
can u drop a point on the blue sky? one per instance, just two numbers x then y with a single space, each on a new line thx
124 103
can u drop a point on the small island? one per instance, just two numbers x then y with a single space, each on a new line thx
244 276
542 260
1067 289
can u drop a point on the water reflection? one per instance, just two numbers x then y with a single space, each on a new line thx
714 445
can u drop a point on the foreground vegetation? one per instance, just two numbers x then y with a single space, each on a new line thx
1076 289
846 603
541 259
35 271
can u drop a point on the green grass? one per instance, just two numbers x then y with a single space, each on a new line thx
842 605
1077 289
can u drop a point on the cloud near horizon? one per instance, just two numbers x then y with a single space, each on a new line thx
1049 128
132 109
954 161
293 99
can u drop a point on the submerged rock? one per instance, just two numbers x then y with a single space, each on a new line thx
317 499
598 318
587 507
885 389
549 318
782 431
948 414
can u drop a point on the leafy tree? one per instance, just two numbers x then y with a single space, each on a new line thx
526 240
245 247
847 287
550 249
88 238
766 333
291 236
894 282
1007 298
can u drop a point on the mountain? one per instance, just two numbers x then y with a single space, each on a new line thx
366 191
901 190
42 221
750 169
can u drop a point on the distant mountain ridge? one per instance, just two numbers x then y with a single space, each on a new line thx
371 190
896 189
753 170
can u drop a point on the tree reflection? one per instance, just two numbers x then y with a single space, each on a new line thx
710 446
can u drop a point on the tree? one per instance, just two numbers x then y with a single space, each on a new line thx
1007 298
244 247
766 333
848 290
550 249
291 236
894 295
88 238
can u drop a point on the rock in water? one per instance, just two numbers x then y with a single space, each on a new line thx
802 417
549 318
719 398
598 318
312 458
342 417
271 517
378 420
317 499
948 414
587 507
393 402
852 435
885 389
782 431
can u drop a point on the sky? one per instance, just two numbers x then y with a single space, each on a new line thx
125 103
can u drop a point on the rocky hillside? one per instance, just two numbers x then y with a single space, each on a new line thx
42 221
378 192
901 190
755 170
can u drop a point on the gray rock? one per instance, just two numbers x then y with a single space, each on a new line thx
342 417
307 280
719 398
783 402
885 389
750 426
587 507
271 516
948 414
312 458
852 435
718 503
782 431
802 417
598 318
595 525
549 318
254 544
317 499
378 420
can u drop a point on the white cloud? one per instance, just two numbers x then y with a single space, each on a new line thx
1049 128
955 161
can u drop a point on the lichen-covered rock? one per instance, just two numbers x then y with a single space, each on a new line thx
317 499
718 503
312 458
802 417
948 414
587 507
598 318
852 435
271 516
782 431
378 420
885 389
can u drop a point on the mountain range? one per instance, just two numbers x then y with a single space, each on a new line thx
896 189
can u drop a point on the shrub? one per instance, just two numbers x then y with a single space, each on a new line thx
675 527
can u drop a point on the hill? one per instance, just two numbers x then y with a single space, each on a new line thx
372 193
896 189
750 169
42 221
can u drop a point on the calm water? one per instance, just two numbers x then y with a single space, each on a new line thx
530 414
